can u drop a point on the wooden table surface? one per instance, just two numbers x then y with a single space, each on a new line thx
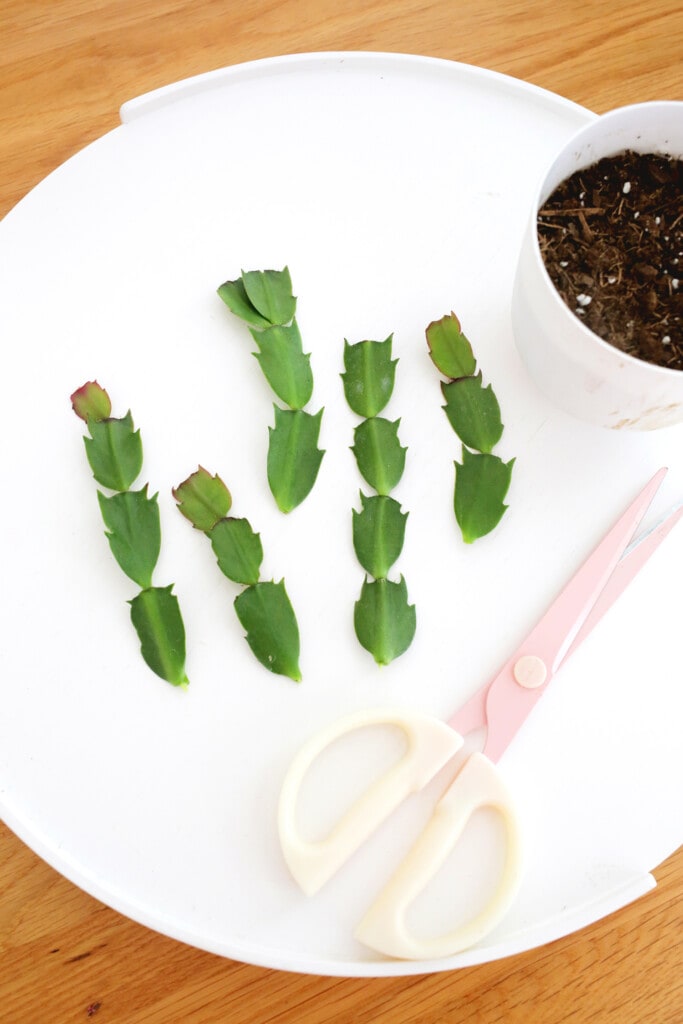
66 66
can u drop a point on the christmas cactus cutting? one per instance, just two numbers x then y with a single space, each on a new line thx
114 452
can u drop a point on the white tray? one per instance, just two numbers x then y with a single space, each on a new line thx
395 188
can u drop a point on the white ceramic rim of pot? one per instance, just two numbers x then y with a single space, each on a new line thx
581 145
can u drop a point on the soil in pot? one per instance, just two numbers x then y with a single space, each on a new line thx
611 237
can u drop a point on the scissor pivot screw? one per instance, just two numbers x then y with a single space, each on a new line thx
530 671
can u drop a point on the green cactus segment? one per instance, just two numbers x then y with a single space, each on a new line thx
481 483
270 294
155 614
284 364
384 620
262 298
203 499
369 375
133 532
114 451
234 295
380 457
473 412
293 456
266 613
238 550
378 533
450 350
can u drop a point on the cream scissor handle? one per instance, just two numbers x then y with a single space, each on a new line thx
431 744
384 927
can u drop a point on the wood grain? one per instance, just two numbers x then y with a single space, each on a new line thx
65 68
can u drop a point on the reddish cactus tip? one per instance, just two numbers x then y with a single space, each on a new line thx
91 401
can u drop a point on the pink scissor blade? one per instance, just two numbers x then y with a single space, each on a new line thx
503 704
626 569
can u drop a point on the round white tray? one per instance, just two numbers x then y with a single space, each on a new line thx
395 188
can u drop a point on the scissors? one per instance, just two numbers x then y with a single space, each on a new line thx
501 707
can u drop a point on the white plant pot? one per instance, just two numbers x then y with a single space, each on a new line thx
577 370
